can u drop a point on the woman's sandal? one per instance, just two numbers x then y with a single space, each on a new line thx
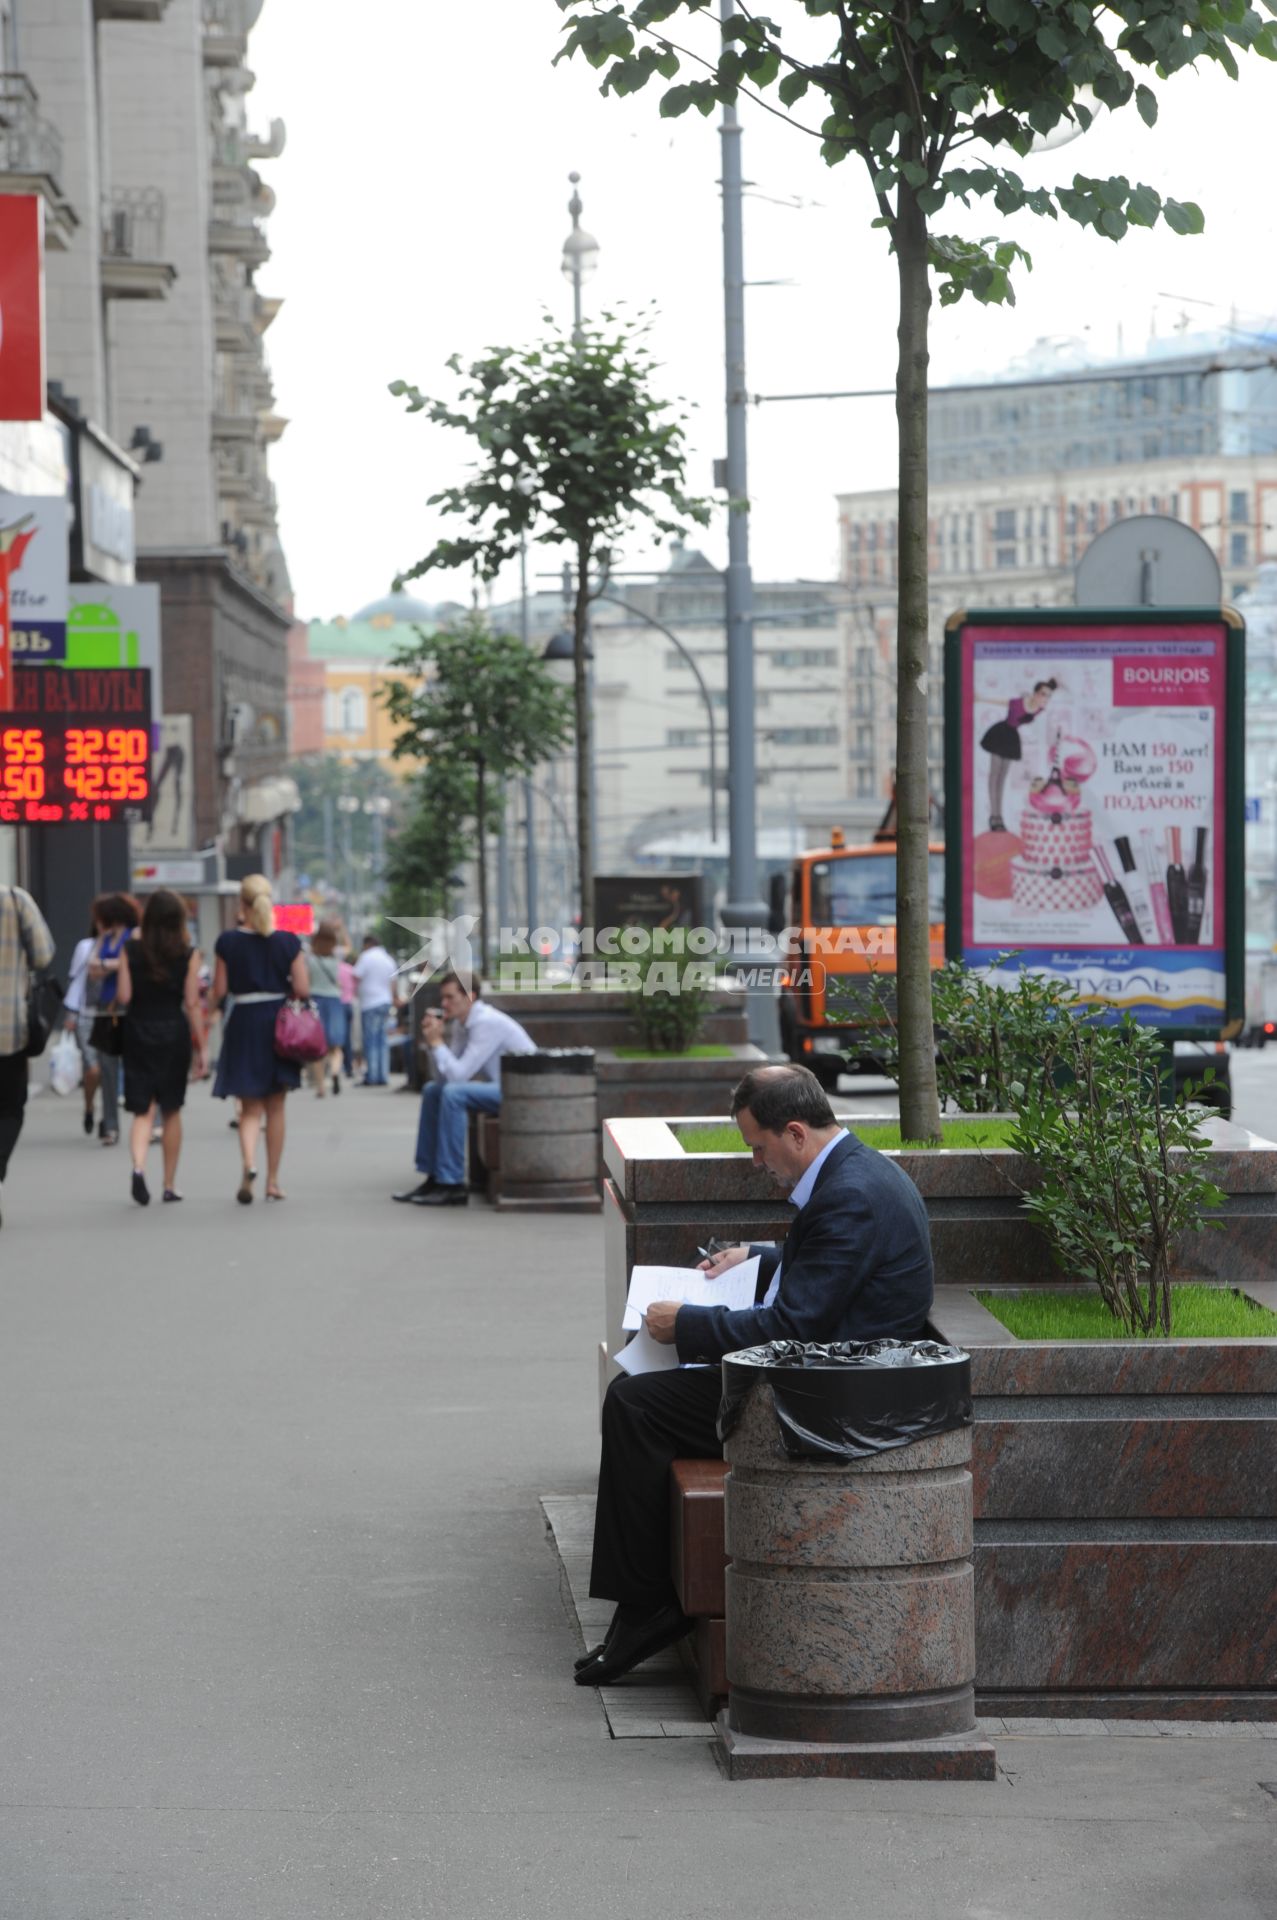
245 1192
171 1194
276 1193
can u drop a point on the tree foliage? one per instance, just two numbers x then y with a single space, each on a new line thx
479 709
574 448
906 87
434 841
936 98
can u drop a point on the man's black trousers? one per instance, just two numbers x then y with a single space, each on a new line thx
648 1421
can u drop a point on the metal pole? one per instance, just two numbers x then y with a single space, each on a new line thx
529 811
744 908
575 209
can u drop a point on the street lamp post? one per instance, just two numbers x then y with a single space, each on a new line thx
580 256
743 909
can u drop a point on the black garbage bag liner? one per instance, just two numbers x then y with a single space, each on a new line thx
845 1400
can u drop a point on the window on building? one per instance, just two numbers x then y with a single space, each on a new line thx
1239 509
1004 524
346 710
1044 523
1004 556
864 782
1173 509
864 739
1238 544
686 736
803 736
802 657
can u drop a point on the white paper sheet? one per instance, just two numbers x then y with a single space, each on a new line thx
645 1355
690 1287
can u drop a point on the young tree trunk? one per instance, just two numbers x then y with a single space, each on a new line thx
584 736
481 812
919 1103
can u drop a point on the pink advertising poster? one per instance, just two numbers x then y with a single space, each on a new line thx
1093 810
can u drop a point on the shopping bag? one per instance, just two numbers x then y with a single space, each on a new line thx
66 1069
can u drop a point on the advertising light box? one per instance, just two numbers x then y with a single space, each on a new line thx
75 746
1095 814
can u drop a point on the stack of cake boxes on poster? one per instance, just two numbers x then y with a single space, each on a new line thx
1061 869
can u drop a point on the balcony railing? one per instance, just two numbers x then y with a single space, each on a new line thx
133 224
29 145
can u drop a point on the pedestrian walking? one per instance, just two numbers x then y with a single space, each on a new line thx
324 966
261 968
90 1007
346 976
375 976
158 989
26 947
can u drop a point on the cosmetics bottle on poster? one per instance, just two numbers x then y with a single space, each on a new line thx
1154 873
1177 886
1116 897
1196 878
1136 890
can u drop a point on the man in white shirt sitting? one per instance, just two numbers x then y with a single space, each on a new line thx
468 1081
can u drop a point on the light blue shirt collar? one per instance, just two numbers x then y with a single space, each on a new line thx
802 1193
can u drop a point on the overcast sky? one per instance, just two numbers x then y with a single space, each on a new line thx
422 208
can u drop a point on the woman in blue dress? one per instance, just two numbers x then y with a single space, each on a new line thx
259 969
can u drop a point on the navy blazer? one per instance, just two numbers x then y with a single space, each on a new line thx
857 1266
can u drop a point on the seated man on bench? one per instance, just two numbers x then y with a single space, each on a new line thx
856 1265
468 1080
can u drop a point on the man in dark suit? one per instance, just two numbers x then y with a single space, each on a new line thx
856 1265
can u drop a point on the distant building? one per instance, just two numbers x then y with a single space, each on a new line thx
652 720
339 669
1024 472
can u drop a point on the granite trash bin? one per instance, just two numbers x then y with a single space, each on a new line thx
850 1591
549 1132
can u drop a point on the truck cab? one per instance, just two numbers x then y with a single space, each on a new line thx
837 909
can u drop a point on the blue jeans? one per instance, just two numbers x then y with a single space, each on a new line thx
441 1130
373 1021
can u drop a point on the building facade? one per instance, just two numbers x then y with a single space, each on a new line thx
1024 473
339 670
659 674
128 118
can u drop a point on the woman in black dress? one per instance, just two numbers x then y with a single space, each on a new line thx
158 986
259 969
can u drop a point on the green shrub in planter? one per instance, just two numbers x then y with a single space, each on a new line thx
669 1003
988 1037
1123 1171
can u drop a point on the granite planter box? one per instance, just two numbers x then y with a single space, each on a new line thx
1125 1521
1125 1492
670 1086
979 1232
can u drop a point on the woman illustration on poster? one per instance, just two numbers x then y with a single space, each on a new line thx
1001 742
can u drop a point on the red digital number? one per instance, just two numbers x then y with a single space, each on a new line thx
23 746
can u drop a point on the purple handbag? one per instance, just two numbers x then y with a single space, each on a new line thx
299 1033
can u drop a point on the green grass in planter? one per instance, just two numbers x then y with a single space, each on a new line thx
1197 1313
706 1052
883 1134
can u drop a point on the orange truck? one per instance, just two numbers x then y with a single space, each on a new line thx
836 914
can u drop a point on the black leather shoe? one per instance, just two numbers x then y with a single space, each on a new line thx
442 1197
594 1652
410 1194
632 1643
